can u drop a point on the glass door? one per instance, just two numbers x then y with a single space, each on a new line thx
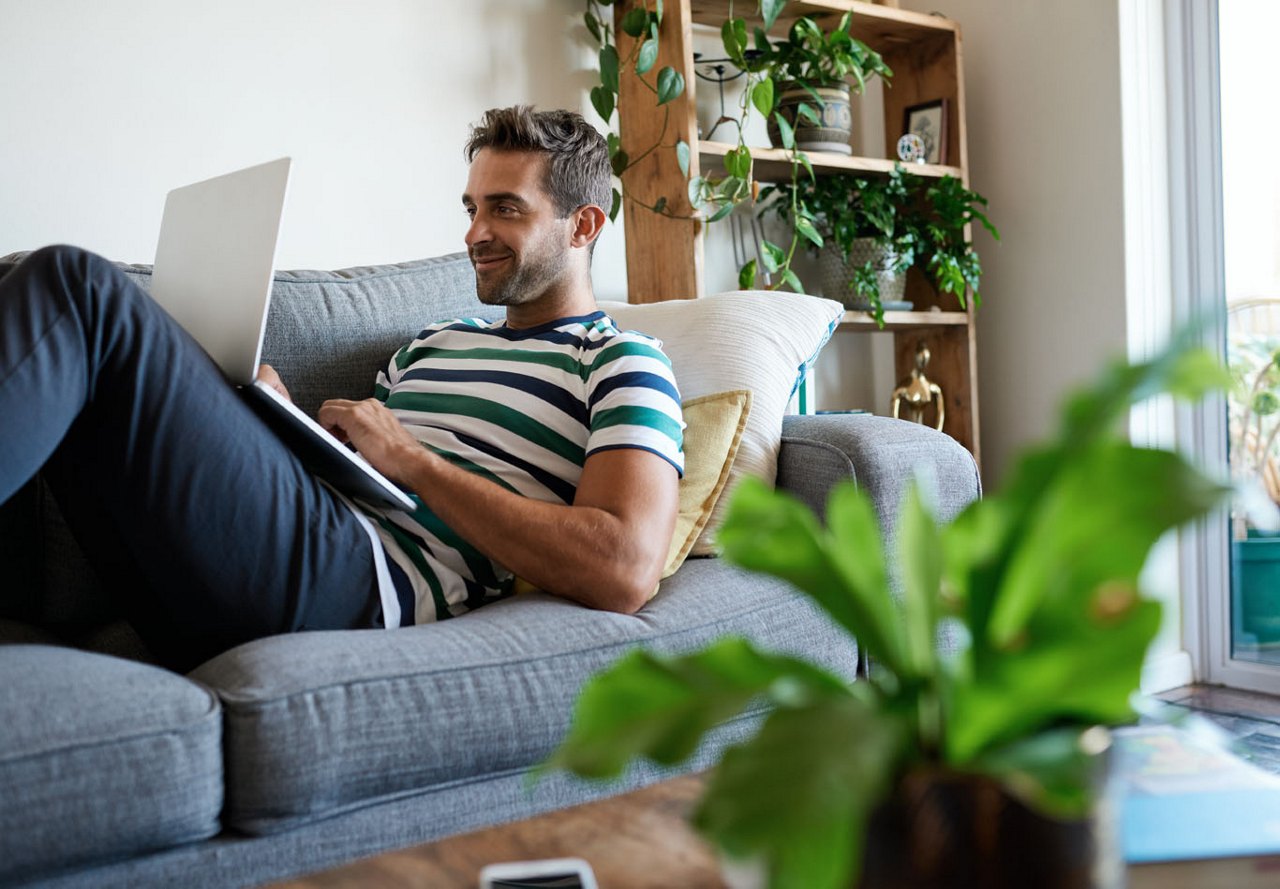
1250 159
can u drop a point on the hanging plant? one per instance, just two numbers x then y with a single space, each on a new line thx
807 49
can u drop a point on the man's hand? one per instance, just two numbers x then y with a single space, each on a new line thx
376 433
268 375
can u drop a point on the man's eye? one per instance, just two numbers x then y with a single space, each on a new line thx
471 211
506 209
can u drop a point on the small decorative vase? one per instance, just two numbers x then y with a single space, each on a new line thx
837 118
837 274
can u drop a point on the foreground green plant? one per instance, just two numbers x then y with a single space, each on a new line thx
1040 584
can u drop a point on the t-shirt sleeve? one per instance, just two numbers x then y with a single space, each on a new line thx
633 402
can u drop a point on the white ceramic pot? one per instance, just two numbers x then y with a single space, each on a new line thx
837 274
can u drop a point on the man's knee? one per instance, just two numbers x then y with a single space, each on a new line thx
60 257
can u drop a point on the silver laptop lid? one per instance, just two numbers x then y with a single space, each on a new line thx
215 259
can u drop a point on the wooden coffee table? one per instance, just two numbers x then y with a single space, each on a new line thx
639 840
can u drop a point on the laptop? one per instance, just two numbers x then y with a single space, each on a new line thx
213 270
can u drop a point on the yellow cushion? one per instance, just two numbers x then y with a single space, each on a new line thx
713 430
714 426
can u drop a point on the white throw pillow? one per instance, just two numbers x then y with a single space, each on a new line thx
759 340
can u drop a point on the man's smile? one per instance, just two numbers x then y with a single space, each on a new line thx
485 263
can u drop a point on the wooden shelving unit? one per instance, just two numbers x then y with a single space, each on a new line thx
665 255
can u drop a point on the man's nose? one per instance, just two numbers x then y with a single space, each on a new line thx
478 231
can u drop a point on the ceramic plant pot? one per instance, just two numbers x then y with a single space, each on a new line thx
946 830
837 274
836 115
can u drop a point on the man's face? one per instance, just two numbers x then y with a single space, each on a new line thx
517 245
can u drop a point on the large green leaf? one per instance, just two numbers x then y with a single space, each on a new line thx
799 793
1089 417
920 557
1054 771
843 571
1096 525
1072 667
1067 631
659 707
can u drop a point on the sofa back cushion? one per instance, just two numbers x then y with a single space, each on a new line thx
330 332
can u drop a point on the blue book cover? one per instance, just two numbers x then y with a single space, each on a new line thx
1185 796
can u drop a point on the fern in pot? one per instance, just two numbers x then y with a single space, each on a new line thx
970 768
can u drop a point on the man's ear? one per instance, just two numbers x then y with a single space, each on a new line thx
588 221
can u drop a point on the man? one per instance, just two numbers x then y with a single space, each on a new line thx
546 446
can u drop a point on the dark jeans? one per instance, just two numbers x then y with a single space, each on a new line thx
207 529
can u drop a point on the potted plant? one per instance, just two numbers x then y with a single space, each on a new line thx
1039 585
820 67
1254 425
874 229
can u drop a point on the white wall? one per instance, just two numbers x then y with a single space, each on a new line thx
107 105
1042 82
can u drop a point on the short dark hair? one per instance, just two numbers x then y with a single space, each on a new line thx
577 170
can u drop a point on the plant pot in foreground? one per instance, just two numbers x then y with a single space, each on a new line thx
837 274
946 830
834 111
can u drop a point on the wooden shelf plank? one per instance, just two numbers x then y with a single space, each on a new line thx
862 321
774 164
880 27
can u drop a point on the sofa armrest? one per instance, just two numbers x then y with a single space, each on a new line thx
881 455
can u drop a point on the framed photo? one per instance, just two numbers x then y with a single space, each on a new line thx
928 120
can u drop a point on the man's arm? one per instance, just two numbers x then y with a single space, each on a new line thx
607 550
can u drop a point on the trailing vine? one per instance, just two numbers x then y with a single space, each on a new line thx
806 48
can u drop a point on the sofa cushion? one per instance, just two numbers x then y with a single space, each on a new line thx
319 724
713 431
757 340
123 759
330 332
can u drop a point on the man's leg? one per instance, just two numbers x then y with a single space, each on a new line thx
208 528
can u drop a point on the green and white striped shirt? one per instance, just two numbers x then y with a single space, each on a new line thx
524 409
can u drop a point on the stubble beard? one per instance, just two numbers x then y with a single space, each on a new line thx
524 282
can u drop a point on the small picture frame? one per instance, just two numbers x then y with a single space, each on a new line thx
928 120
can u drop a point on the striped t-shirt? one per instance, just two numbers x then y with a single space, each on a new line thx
524 409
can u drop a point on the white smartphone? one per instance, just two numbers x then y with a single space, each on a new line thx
551 873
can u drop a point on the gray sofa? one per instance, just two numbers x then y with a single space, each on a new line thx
294 753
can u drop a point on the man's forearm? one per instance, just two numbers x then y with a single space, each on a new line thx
585 553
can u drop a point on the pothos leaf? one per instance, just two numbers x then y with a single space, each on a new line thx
633 23
648 56
609 68
682 157
670 84
769 9
602 101
762 97
616 205
747 276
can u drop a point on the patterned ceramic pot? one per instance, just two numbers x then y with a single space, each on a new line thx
837 119
837 273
